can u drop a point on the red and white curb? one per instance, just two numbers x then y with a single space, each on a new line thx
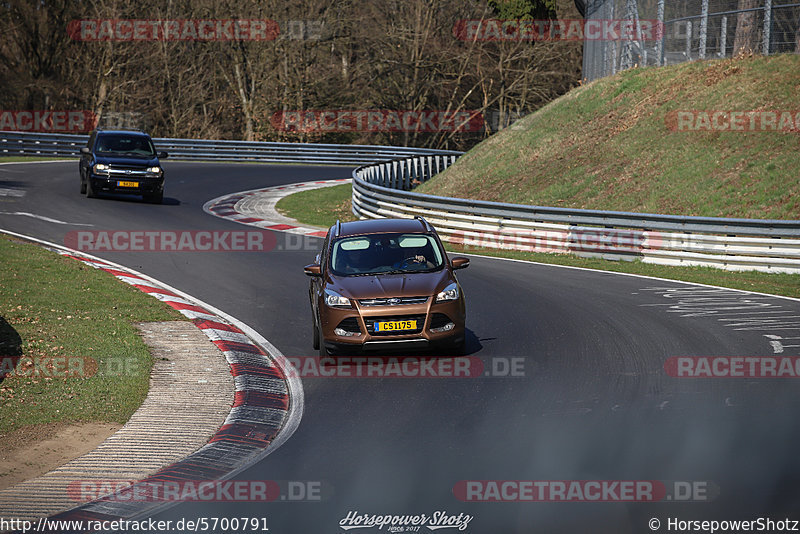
226 207
268 399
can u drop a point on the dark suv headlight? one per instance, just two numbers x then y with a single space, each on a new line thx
101 168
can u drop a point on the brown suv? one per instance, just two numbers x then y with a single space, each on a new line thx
385 283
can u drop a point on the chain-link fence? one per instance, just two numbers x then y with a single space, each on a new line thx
657 32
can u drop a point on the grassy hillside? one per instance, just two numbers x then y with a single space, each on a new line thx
608 145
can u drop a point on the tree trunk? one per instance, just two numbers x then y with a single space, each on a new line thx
746 38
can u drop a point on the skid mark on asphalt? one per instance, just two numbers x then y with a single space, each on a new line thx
734 309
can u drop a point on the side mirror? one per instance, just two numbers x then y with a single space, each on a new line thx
459 263
163 155
85 150
313 270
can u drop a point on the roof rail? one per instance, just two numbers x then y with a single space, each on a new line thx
425 224
338 228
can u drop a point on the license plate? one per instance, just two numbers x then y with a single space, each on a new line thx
128 184
390 326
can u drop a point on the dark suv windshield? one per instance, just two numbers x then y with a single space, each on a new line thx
126 145
385 253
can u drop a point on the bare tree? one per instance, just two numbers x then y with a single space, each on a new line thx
746 37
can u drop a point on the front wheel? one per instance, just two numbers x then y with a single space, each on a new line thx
90 192
83 186
323 352
155 198
316 333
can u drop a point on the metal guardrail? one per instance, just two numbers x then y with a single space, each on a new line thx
60 145
383 190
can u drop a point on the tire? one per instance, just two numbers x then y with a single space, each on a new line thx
316 333
323 352
83 186
90 192
155 198
456 348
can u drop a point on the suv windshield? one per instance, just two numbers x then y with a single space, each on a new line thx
385 253
126 145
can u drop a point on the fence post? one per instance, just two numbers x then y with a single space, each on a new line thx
688 40
703 29
662 36
767 26
723 37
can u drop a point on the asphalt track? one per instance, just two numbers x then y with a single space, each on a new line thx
593 401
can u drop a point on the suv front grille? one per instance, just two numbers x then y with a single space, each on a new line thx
393 301
370 322
129 171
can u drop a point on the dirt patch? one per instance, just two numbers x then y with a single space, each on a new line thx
33 450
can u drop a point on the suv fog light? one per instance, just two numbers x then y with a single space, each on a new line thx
345 333
445 328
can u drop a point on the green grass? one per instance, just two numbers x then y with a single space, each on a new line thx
318 207
608 145
61 308
321 207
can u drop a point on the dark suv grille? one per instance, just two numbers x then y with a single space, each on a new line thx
393 301
370 321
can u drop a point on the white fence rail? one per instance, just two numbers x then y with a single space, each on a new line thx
383 190
65 145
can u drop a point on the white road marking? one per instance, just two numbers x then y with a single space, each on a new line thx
42 217
778 346
718 304
10 192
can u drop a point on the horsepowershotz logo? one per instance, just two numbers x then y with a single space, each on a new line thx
439 520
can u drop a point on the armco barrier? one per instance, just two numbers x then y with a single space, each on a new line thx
383 190
60 145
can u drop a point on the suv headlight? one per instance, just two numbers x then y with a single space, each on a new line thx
449 293
101 168
335 300
154 170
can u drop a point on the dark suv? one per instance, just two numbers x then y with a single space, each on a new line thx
385 283
122 161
